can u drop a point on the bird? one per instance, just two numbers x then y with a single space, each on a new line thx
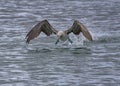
45 27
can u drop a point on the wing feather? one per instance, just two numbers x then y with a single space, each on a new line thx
78 27
43 26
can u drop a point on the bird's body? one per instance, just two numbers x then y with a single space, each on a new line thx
44 26
62 35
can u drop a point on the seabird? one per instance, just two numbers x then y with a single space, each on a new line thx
45 27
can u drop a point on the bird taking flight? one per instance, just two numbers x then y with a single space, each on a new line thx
45 27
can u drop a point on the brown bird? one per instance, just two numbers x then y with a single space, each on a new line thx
45 27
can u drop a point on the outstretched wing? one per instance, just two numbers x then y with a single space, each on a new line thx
43 26
78 27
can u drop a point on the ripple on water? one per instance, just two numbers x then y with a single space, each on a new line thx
41 63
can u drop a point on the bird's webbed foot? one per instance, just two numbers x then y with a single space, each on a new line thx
57 41
70 40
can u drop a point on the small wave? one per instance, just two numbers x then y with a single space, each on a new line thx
107 39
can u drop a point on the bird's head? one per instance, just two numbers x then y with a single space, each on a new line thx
60 34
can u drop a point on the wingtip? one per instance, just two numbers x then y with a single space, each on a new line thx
91 40
27 42
26 37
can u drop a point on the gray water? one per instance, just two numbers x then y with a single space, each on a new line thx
42 63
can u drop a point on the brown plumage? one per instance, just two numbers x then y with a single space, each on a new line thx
45 27
42 26
78 27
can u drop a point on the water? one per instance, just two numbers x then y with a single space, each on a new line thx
41 63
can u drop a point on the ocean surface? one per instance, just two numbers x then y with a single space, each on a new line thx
42 63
